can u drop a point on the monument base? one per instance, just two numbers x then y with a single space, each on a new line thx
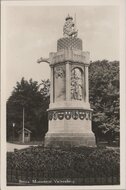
72 139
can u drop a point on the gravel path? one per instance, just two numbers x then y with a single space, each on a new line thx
12 146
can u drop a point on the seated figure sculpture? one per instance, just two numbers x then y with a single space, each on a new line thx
69 28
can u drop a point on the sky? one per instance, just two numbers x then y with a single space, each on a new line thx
32 32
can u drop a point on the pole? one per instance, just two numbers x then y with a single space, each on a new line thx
75 21
23 127
13 125
13 135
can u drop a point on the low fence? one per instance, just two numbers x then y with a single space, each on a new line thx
38 177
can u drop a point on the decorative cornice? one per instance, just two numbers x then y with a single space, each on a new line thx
74 56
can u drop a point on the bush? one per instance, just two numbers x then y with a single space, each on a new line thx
75 162
101 162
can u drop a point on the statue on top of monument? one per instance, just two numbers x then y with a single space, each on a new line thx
69 29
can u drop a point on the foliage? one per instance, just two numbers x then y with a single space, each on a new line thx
75 162
103 162
104 98
30 96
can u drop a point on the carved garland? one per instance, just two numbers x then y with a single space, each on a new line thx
74 114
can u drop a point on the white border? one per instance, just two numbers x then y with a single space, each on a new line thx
121 4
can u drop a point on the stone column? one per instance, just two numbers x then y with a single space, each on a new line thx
68 90
52 85
84 85
87 83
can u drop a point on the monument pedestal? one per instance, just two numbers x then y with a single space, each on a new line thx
70 127
69 139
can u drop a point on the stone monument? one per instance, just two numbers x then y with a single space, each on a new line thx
69 113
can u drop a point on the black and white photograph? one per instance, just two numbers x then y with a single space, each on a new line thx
63 95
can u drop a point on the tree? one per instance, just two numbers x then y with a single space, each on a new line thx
104 98
34 99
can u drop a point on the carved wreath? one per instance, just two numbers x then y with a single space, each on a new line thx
59 72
